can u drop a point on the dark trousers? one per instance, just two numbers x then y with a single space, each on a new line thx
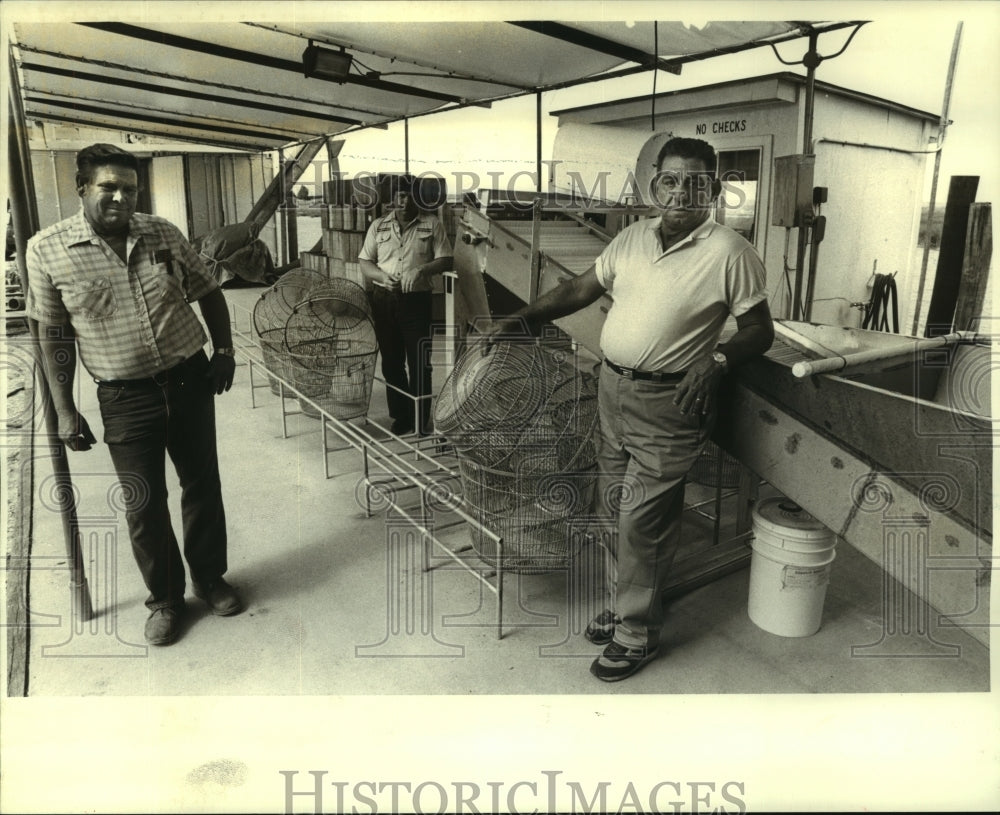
403 331
144 422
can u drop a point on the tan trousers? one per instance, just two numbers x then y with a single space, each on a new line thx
647 448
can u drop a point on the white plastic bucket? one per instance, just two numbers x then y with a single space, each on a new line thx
789 568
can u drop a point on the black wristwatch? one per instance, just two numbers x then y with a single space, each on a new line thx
721 358
226 352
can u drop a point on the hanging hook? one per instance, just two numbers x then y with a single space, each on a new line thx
813 56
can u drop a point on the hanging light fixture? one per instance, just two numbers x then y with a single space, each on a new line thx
322 63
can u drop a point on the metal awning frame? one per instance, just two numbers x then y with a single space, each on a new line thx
363 118
673 65
212 49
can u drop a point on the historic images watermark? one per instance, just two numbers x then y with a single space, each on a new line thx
320 791
432 189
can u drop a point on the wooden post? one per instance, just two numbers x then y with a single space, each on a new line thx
538 141
941 312
291 214
24 220
975 268
333 148
942 128
535 270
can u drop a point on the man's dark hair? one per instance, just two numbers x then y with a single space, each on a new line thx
689 148
101 155
400 183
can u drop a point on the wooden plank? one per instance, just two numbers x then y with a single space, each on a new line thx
975 268
711 564
880 423
536 259
941 312
20 475
790 334
833 339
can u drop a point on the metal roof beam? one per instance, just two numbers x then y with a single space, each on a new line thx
595 43
189 44
161 120
187 94
110 107
256 93
89 122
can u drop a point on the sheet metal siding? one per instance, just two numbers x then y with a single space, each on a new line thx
54 172
166 191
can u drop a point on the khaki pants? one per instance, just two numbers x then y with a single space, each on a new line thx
647 448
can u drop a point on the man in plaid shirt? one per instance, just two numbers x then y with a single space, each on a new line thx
117 285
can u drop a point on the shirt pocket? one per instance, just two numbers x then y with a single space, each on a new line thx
425 246
168 286
91 299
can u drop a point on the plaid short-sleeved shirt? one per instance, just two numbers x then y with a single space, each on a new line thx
132 319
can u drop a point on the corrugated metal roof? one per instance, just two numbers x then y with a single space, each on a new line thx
242 85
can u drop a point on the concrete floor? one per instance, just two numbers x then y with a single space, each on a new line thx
335 607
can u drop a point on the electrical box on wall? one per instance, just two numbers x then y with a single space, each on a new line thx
793 189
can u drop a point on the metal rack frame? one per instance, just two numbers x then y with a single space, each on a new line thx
416 463
426 465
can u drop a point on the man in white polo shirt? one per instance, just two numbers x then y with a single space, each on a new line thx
674 281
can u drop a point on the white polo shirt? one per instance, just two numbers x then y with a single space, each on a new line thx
670 307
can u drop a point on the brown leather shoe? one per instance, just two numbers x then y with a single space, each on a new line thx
220 596
163 626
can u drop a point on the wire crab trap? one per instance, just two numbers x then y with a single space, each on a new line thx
519 399
714 467
533 515
522 419
270 314
330 340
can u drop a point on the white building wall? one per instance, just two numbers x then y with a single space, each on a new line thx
874 198
873 211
